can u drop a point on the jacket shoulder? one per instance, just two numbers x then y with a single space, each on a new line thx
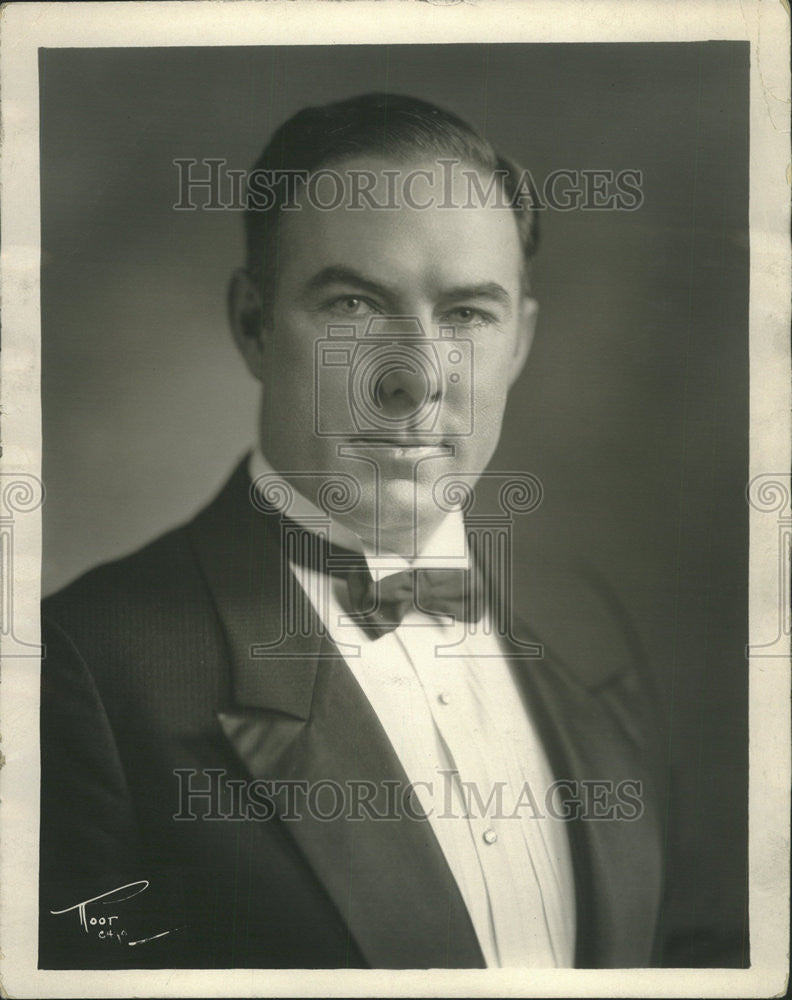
147 577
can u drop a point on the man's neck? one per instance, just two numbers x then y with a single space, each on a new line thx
443 547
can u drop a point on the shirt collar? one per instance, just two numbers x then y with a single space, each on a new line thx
445 548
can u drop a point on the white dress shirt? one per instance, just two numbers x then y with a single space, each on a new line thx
466 742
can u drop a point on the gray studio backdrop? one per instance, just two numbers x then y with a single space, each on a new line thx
633 410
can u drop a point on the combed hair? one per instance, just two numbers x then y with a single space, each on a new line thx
385 125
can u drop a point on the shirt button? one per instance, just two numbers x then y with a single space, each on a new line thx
444 698
489 836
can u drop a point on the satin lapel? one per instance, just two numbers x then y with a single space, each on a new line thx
387 876
591 734
273 663
299 715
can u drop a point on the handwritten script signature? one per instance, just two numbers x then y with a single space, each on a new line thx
105 926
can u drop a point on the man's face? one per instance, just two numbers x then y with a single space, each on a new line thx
398 412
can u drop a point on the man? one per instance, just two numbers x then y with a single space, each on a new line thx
310 728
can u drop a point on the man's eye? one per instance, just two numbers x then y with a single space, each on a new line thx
352 305
466 316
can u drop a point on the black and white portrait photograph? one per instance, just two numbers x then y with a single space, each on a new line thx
396 446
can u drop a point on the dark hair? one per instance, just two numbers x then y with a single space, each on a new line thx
386 125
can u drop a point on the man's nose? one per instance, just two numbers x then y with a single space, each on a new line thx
409 381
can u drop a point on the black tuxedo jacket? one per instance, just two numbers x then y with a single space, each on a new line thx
148 677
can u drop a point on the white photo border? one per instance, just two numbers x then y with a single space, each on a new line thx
26 27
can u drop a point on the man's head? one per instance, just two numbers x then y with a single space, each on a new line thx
386 312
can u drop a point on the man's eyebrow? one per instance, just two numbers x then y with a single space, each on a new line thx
483 290
338 275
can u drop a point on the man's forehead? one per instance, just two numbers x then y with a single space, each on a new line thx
441 226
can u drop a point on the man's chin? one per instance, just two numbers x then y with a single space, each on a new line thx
401 513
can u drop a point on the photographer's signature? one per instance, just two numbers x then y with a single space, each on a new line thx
109 926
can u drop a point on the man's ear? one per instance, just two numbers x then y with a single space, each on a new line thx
526 327
246 316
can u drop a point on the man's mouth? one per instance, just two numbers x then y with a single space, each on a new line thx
400 441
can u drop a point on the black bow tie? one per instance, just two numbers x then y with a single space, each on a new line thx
379 607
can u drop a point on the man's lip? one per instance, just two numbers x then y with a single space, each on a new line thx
400 442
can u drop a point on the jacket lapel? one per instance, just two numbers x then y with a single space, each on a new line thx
592 730
298 715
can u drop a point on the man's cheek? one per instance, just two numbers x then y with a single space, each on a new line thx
293 346
489 403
